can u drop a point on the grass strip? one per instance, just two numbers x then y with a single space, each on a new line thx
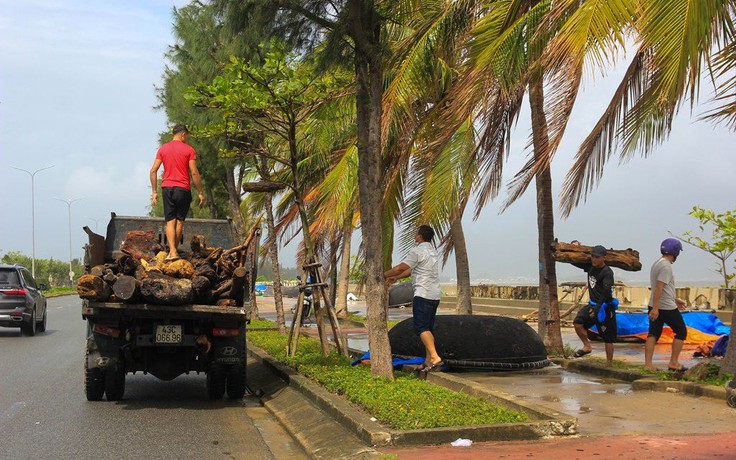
406 403
58 291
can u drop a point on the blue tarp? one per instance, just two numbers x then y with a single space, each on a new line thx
638 323
397 360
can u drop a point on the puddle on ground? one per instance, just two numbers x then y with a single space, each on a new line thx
551 398
614 391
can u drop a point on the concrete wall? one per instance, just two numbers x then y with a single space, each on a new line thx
635 296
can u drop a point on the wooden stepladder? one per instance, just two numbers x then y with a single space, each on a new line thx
311 278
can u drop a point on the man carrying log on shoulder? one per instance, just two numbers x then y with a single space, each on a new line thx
179 160
601 309
422 263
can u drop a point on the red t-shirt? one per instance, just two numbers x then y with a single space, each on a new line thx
175 156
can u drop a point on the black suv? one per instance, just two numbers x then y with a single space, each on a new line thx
21 302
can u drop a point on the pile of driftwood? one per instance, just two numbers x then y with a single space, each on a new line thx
204 275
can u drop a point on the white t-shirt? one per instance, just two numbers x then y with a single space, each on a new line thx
662 271
425 271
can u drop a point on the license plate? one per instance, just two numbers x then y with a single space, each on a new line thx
168 333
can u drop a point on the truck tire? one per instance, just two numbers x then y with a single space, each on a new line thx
29 329
115 382
216 378
236 384
94 383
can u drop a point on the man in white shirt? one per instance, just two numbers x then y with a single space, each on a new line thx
664 306
422 263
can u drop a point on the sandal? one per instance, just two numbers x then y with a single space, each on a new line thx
580 353
171 259
421 368
435 366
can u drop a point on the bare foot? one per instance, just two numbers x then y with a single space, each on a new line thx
650 367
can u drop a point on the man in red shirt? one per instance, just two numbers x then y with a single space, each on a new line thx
179 159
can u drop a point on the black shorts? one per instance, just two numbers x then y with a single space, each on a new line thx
424 312
673 318
588 317
176 203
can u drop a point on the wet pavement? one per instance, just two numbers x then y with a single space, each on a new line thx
611 406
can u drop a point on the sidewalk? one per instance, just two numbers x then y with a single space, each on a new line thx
720 445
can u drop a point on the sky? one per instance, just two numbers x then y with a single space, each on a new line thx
77 91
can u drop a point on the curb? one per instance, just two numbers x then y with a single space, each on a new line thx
681 386
583 367
545 422
645 382
311 428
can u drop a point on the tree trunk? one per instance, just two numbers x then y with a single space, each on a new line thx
341 298
332 273
729 361
462 267
233 195
273 252
365 30
549 308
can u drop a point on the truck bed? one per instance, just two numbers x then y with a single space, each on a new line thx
146 310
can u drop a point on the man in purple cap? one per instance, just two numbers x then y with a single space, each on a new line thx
664 306
601 309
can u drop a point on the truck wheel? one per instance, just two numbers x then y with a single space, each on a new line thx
41 327
29 329
236 381
115 383
216 377
94 382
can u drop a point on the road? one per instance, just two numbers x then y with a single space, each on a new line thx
44 413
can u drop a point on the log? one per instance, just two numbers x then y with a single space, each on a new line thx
222 288
126 265
97 270
140 273
263 186
198 244
206 271
226 303
110 278
181 268
167 291
626 259
141 245
237 289
214 256
201 286
127 288
93 288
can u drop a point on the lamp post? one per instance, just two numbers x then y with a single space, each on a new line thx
69 206
95 220
33 215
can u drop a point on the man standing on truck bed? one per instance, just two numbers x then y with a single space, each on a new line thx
179 159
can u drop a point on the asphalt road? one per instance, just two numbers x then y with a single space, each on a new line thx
45 415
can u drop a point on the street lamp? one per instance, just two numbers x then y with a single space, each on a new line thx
69 206
33 215
95 220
